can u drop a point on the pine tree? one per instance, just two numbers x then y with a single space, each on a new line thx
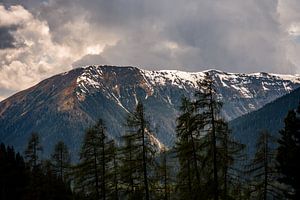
91 173
32 151
187 148
262 169
13 176
19 182
288 153
164 175
130 168
205 149
61 160
137 155
208 108
113 170
230 155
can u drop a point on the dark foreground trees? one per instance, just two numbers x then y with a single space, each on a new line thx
61 161
207 154
205 164
12 168
262 169
33 151
137 156
97 163
21 180
288 154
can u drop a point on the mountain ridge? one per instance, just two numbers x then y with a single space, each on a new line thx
270 117
63 106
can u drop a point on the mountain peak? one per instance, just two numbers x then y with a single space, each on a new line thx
64 105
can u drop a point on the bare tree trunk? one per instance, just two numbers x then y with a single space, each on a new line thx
96 173
214 143
145 165
266 166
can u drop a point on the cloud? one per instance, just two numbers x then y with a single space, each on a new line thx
46 37
193 35
37 57
5 92
290 22
6 38
90 59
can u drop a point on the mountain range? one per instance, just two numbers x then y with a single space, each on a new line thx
271 117
62 107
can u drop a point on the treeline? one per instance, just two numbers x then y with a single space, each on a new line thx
33 179
205 163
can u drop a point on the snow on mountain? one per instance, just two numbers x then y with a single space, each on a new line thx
63 106
246 92
240 82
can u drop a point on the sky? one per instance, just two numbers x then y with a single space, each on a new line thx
40 38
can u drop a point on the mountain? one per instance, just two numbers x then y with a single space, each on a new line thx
270 117
63 106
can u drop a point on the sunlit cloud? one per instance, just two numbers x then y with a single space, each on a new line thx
41 38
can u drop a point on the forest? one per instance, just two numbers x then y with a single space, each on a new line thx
205 163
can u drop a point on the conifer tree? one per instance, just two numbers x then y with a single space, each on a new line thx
61 160
288 153
208 109
130 168
187 148
113 170
164 174
19 182
91 173
262 169
32 151
205 149
13 176
138 154
230 155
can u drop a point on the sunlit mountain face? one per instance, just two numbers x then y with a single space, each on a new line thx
64 106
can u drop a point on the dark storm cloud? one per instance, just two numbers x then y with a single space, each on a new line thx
190 35
7 40
28 4
232 35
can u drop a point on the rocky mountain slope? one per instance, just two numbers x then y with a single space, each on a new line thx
270 117
63 106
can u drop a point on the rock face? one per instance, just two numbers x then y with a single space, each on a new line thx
63 106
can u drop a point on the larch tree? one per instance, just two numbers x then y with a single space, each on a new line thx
230 157
262 169
187 150
130 168
138 153
208 109
205 148
61 160
113 171
92 171
164 174
33 151
288 154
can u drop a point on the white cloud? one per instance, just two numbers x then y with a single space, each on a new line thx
294 29
232 35
39 56
290 24
14 15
